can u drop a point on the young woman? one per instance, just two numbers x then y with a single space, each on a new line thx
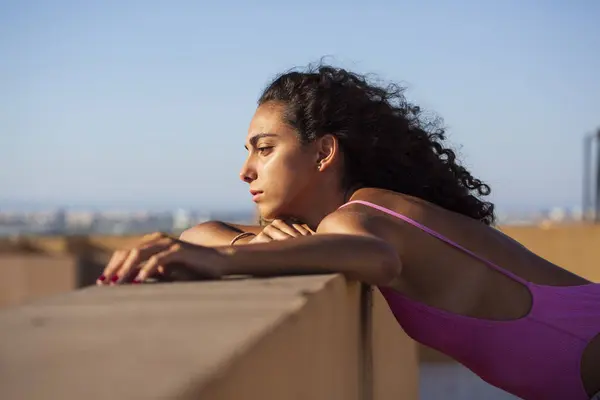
391 206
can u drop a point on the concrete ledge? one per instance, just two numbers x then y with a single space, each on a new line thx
26 278
29 277
282 338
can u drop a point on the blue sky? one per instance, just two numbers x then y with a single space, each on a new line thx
146 103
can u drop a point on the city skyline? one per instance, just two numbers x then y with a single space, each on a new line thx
65 222
247 206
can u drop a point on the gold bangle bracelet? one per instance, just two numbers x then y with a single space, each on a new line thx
240 236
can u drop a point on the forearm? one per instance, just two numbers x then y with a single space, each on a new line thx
364 258
217 233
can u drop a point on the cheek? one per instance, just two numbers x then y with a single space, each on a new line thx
285 174
275 173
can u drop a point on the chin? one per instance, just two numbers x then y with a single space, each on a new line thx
269 212
266 213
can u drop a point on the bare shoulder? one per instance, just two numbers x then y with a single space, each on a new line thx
422 211
394 201
358 219
345 220
418 209
388 197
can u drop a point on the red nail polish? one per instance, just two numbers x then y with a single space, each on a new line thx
136 281
101 278
114 278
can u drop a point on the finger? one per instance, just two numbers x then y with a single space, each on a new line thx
139 255
261 238
159 260
308 228
152 237
274 233
301 229
109 273
284 227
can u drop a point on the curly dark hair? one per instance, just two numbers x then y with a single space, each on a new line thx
386 141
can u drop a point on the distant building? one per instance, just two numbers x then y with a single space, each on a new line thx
182 219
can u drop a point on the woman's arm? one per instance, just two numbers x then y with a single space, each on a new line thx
345 242
217 233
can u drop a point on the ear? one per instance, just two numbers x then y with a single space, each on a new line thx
327 151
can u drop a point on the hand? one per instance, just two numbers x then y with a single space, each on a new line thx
162 256
281 230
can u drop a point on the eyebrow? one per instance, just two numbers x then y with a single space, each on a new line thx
254 139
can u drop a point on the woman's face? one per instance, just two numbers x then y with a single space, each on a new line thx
282 173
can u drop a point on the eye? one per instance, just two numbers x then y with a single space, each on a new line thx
264 150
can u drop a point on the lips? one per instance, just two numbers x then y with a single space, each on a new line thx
256 194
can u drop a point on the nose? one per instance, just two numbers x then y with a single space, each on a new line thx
248 172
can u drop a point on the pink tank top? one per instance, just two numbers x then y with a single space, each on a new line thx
534 357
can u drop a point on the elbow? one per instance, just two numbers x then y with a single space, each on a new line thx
189 235
201 234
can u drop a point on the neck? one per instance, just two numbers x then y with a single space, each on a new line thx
322 205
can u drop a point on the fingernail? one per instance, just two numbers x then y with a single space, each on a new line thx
136 281
101 278
114 278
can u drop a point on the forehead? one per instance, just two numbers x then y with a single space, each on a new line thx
268 118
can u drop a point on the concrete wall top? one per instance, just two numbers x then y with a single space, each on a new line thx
302 337
146 341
